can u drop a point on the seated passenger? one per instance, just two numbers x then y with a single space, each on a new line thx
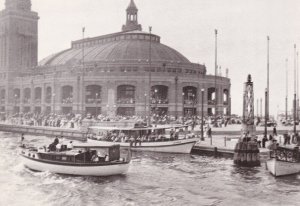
58 147
95 158
106 158
70 145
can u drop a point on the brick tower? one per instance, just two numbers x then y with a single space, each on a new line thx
18 36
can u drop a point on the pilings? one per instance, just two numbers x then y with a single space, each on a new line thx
246 154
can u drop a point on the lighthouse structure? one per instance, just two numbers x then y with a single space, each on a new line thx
246 152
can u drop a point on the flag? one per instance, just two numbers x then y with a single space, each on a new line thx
83 29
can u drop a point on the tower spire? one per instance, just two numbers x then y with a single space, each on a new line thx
131 18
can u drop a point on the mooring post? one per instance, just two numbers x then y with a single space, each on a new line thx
215 152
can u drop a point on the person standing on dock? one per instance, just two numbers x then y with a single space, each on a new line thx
22 140
274 131
209 132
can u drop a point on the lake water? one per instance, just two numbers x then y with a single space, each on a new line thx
153 179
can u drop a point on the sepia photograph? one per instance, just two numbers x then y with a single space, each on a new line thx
159 103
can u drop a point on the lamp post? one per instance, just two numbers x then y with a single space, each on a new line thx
156 109
193 103
176 100
145 105
96 105
15 109
202 112
182 107
266 112
53 96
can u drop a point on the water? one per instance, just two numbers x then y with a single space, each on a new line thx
153 179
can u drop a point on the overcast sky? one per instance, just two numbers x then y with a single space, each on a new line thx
188 26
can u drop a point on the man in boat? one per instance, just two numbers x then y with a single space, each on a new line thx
70 145
272 147
274 131
52 146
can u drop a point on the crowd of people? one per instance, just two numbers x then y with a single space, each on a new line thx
75 121
47 120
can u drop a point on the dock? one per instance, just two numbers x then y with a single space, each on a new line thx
74 134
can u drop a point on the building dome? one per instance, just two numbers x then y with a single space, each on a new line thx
123 46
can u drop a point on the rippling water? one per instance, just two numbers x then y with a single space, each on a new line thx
153 179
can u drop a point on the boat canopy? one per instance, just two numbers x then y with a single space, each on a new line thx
159 127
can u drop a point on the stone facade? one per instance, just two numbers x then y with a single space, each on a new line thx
106 74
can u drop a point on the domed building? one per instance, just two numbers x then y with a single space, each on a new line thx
108 74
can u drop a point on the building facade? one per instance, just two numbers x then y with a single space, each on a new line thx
107 74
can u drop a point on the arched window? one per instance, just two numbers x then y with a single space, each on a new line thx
38 95
16 96
93 94
48 96
225 96
126 94
189 95
2 96
67 95
211 95
159 94
27 95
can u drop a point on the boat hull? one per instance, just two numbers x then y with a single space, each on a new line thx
183 146
282 168
82 170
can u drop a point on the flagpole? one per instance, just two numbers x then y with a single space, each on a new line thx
268 80
297 88
294 103
216 68
287 91
83 73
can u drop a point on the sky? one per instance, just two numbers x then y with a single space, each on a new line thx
188 26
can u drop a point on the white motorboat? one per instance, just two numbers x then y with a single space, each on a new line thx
284 161
82 160
153 139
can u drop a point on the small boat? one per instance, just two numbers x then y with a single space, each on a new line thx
284 161
152 139
82 160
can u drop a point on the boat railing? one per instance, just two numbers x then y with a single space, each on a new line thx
149 139
286 154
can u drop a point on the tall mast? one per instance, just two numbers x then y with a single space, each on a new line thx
149 89
268 81
295 95
286 89
216 70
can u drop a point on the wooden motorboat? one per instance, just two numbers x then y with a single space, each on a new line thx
83 159
284 161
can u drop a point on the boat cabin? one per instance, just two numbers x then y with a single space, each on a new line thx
286 154
84 153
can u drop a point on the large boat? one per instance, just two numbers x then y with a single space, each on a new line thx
153 139
84 160
284 161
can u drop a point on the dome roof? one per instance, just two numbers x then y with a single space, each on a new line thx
119 49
